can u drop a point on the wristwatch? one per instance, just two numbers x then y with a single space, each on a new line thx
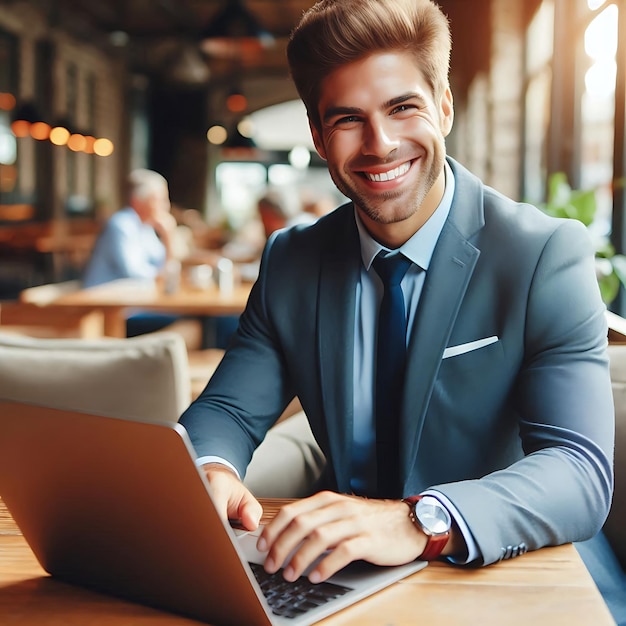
433 519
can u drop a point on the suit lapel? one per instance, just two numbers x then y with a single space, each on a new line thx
448 276
340 270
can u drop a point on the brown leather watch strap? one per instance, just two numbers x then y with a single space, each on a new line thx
435 543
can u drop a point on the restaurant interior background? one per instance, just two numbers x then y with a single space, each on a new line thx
199 90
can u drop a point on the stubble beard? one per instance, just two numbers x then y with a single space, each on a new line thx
377 209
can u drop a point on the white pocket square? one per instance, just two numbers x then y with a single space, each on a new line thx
468 347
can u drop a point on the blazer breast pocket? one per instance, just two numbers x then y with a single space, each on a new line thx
475 355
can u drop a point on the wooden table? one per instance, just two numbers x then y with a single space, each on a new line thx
116 298
547 587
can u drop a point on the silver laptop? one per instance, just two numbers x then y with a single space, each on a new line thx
119 506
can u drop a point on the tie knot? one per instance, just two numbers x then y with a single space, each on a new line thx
391 268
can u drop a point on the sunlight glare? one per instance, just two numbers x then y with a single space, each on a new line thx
600 79
601 35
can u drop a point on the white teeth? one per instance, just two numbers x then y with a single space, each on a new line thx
390 175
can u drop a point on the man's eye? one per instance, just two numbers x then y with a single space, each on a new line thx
348 119
402 108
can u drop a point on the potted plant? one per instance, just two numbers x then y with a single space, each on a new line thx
580 204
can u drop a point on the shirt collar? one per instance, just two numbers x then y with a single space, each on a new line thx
420 247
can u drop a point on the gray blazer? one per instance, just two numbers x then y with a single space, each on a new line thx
507 408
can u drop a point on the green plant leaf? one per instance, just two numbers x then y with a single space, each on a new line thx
618 262
609 287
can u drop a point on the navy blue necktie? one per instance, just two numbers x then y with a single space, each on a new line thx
390 362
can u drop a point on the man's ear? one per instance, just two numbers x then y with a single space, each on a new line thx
317 140
446 111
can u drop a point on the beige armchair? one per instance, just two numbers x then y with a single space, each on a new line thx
615 527
145 377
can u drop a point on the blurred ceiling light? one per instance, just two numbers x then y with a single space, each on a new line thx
103 147
59 135
60 132
76 142
300 157
7 101
236 102
246 127
234 32
217 135
40 131
90 141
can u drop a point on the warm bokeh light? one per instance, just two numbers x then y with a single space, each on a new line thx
103 147
76 142
59 135
20 128
246 127
216 135
236 103
7 101
40 131
89 144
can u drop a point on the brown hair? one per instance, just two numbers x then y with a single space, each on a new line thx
333 33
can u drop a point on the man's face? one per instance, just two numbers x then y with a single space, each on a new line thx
383 136
153 206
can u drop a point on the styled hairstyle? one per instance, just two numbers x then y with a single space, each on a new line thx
333 33
142 183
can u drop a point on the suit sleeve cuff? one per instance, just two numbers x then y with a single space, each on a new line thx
473 552
204 460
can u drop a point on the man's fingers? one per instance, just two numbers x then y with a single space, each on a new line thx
250 512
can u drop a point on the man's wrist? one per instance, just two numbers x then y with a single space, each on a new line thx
429 516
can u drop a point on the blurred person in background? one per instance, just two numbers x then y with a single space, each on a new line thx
138 241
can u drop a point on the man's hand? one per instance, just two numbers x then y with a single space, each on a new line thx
351 528
232 498
163 222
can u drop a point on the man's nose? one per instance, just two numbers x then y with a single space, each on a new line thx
379 139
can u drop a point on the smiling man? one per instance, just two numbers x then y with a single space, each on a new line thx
487 430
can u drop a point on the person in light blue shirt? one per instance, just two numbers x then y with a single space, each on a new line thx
136 242
503 430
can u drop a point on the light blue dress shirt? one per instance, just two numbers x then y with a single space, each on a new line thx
369 292
126 248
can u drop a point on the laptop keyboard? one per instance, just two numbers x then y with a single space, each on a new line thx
293 599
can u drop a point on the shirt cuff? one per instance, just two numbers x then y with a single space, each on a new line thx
473 552
203 460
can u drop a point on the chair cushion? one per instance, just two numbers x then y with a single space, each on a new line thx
288 463
615 527
144 377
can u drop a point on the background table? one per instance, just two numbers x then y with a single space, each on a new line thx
547 587
115 299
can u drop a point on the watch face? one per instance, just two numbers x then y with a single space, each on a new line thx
432 515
